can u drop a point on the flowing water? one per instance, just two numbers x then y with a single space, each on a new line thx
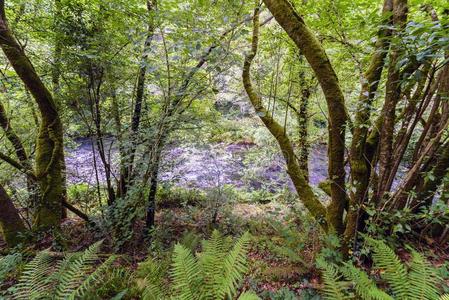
199 166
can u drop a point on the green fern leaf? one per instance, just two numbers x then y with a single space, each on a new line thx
234 268
8 264
394 271
423 279
185 274
153 273
333 288
35 281
211 262
364 286
76 270
91 279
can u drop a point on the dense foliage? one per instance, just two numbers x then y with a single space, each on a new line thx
317 131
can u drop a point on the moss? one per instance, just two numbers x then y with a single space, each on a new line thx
49 171
49 146
11 225
305 40
305 192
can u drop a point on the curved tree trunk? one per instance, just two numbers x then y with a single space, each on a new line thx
49 147
305 192
305 40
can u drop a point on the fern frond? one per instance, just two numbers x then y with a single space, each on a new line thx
153 271
152 291
333 288
76 270
8 264
248 296
35 281
211 261
185 273
423 278
444 297
190 240
394 271
91 280
234 268
364 286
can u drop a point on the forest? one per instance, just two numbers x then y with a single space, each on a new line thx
224 149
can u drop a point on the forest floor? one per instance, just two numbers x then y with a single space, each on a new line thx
282 253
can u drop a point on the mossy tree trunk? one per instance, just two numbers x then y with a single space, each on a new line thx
11 225
392 97
49 146
360 156
303 122
305 40
305 192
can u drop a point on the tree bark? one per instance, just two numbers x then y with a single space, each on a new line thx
128 161
393 93
359 160
11 225
49 146
305 40
305 192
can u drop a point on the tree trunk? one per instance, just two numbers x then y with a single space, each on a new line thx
11 225
128 161
393 93
305 40
305 192
49 146
359 161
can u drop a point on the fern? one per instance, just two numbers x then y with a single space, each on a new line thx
69 278
333 287
90 280
394 271
424 279
75 271
444 297
214 274
8 264
152 272
364 286
417 282
186 273
34 282
211 261
234 266
190 240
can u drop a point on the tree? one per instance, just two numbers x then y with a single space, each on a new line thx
11 225
408 98
49 162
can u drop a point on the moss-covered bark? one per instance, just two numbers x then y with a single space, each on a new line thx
309 45
11 225
359 160
49 146
392 95
306 195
